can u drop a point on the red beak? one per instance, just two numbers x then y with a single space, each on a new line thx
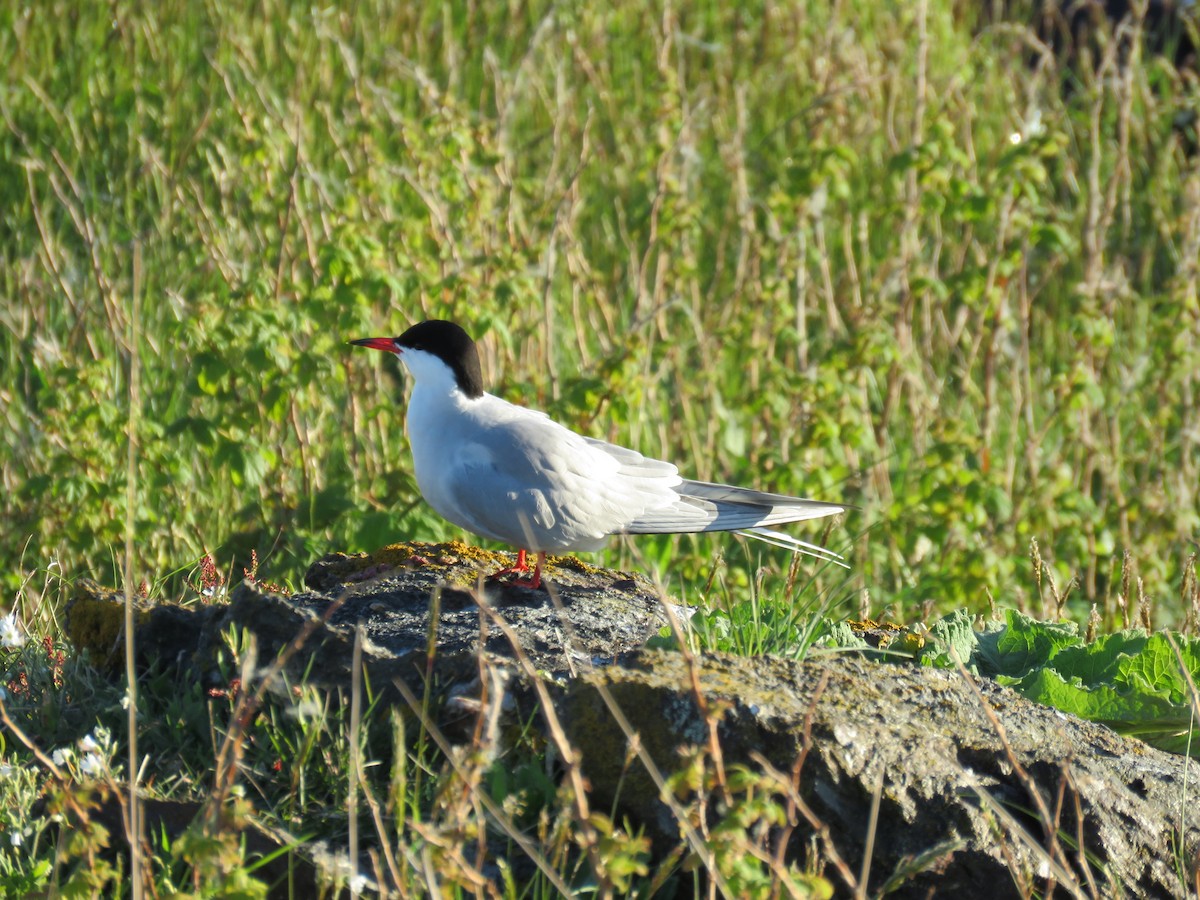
388 345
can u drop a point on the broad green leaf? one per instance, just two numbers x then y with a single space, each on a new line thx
1023 645
1126 711
1127 680
950 637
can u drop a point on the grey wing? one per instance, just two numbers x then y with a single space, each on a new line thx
692 506
676 506
651 474
704 506
534 483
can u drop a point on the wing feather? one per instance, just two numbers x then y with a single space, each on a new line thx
703 506
519 477
550 488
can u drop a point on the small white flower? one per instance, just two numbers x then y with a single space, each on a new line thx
1032 127
923 548
11 637
61 755
306 710
88 744
818 199
1033 124
91 764
16 839
6 770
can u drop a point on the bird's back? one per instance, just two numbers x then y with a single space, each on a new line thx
515 475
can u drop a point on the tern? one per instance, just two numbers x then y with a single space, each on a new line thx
514 475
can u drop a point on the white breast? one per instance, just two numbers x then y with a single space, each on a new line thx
512 474
441 449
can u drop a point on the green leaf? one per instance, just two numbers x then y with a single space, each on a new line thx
1127 680
1126 711
842 636
1156 668
1098 662
950 637
1023 645
211 371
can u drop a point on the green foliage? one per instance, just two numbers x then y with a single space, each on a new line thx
732 237
1022 645
1137 684
211 859
24 866
775 627
749 817
950 640
794 249
781 618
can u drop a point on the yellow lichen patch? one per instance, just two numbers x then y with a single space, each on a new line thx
572 563
401 553
450 553
95 621
878 634
456 563
460 564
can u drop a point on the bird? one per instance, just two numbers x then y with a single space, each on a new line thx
514 475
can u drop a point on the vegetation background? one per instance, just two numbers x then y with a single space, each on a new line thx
893 254
908 256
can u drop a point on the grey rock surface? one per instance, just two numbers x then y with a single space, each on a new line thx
959 766
586 617
408 598
956 790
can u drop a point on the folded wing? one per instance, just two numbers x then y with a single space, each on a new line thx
703 506
696 506
521 478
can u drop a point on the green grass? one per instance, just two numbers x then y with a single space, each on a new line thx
846 251
818 255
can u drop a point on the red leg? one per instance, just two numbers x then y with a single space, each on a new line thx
532 582
536 581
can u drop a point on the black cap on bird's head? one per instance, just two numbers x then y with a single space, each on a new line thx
442 339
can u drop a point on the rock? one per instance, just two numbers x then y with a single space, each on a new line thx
406 597
952 794
956 814
587 618
95 620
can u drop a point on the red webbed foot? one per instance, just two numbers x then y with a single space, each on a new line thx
521 570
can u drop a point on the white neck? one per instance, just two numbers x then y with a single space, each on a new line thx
429 372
